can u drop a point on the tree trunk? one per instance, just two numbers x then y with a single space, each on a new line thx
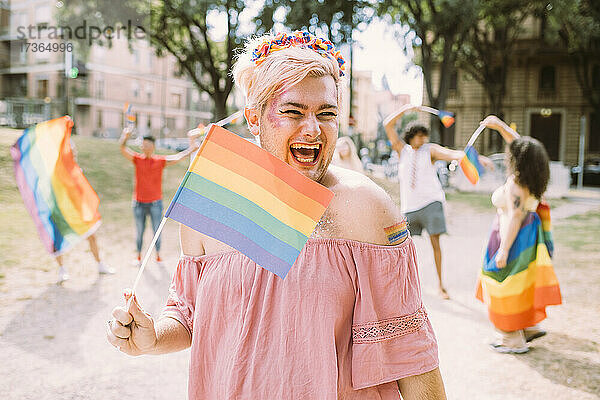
435 134
220 107
494 143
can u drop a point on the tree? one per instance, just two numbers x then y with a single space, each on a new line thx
437 28
180 28
487 48
577 25
335 19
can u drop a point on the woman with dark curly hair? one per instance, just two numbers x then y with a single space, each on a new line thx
517 280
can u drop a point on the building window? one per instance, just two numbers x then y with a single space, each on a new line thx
99 119
548 78
42 88
100 89
596 76
135 88
454 81
594 142
176 100
149 92
42 15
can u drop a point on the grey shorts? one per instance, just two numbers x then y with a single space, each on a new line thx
431 217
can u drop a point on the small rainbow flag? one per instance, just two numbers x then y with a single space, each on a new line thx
242 195
470 165
447 118
62 203
127 109
397 233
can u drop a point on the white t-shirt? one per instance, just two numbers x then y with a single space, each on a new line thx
419 183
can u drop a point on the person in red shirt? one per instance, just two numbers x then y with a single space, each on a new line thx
147 192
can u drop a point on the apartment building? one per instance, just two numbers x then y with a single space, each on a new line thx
371 105
543 100
92 88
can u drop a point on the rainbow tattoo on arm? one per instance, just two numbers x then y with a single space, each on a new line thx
397 233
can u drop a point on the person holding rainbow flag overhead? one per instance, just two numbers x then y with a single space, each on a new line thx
517 280
421 194
338 316
147 194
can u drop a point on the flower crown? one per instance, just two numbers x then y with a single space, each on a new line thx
301 39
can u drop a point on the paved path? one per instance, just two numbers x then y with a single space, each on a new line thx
53 346
470 369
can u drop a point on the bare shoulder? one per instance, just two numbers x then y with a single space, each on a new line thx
360 208
194 243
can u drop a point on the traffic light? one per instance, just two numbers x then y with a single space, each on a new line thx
74 67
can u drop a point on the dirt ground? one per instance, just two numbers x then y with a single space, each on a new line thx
54 347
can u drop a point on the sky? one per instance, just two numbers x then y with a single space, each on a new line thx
377 50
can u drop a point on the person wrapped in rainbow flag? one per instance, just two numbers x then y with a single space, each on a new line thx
517 280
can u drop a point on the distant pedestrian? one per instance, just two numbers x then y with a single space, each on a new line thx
421 194
346 156
147 194
517 280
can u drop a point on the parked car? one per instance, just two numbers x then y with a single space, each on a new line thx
591 173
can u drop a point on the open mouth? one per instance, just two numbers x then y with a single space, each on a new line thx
305 154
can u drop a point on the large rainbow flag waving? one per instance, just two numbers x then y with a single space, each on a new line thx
517 295
63 205
242 195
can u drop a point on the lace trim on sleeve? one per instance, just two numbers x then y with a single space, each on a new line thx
373 332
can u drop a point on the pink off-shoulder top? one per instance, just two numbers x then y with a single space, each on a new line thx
345 323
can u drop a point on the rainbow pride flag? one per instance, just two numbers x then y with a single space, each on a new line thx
543 210
517 295
242 195
470 165
447 118
63 205
129 115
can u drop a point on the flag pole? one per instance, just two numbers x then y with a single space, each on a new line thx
430 110
145 261
475 135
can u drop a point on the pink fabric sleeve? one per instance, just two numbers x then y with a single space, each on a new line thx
392 337
182 292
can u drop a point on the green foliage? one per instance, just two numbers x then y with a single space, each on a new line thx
437 29
568 232
576 25
487 48
181 28
335 19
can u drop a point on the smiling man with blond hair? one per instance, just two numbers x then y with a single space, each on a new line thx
348 321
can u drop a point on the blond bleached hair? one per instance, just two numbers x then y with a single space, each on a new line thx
279 71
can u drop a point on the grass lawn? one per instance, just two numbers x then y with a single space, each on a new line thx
580 233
